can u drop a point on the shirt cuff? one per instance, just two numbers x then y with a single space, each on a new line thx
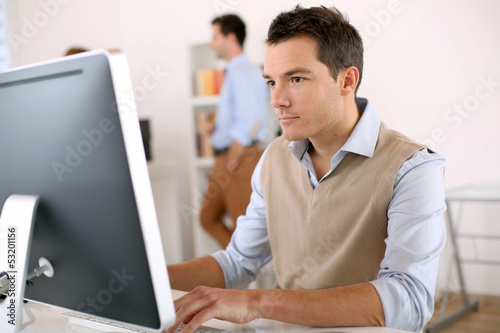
401 311
230 269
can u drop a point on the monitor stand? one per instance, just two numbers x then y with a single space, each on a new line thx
16 229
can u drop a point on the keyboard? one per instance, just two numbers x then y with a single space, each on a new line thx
114 327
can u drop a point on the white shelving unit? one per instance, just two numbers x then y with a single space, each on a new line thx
201 57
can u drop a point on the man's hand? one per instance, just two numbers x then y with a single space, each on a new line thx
203 304
206 128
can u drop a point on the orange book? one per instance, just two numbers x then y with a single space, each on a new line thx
209 82
218 78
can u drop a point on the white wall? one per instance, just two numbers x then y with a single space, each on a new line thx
425 66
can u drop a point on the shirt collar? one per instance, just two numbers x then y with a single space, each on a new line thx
363 138
236 61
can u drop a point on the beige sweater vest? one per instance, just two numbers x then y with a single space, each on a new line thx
332 235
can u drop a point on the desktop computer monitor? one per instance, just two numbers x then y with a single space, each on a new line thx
69 133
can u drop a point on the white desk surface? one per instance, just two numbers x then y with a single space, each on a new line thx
39 318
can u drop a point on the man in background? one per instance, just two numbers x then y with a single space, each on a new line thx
241 113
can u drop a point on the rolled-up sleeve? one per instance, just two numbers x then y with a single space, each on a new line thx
406 281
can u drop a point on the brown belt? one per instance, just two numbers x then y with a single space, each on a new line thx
221 151
218 152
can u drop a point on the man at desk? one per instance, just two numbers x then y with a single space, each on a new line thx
349 210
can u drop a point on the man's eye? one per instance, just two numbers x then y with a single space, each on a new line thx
297 79
270 83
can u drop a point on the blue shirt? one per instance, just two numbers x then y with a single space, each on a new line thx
406 280
241 105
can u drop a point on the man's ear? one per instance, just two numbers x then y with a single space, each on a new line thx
232 37
350 80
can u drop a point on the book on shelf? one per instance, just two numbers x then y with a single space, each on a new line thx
209 81
205 121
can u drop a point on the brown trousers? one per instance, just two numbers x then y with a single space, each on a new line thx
227 192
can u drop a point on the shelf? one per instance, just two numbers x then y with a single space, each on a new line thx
204 162
201 57
200 101
462 196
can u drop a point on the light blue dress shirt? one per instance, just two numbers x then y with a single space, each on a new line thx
406 280
242 103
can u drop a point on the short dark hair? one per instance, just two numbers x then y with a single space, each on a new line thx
231 23
339 44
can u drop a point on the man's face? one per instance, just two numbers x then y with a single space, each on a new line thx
219 42
304 95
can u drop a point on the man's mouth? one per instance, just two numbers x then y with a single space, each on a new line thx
287 119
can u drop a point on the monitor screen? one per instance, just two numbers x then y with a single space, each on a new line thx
72 137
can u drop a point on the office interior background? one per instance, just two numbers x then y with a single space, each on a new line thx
432 71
